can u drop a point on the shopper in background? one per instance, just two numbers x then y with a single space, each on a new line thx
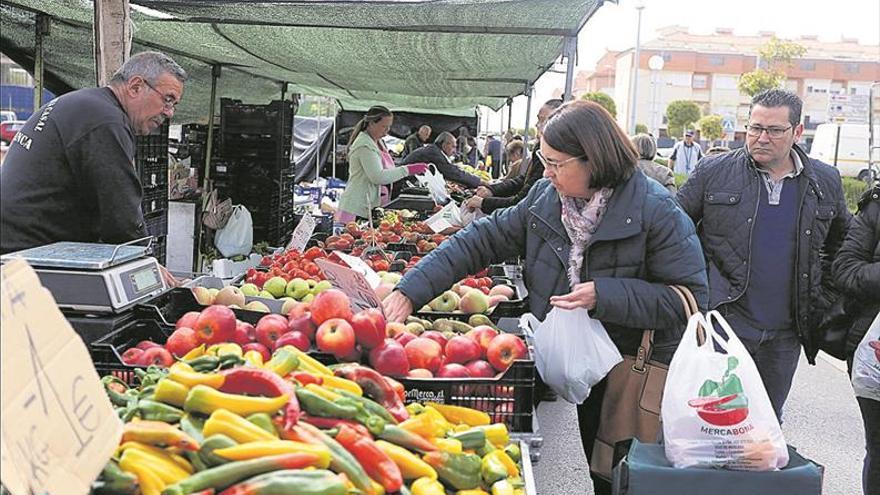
511 191
856 272
440 154
685 155
771 220
370 166
647 148
597 234
494 149
472 151
514 151
416 140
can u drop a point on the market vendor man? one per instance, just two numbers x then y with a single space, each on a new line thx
440 154
70 173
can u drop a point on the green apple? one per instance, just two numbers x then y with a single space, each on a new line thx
256 306
321 287
445 302
266 294
308 298
276 286
250 290
312 283
297 288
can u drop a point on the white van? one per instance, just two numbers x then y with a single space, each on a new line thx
845 146
7 115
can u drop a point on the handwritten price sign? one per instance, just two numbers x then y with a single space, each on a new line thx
352 283
302 233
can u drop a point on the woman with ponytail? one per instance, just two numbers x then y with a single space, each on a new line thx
370 166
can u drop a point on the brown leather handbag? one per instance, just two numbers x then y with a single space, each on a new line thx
633 392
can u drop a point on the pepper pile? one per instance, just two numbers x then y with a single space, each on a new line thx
293 425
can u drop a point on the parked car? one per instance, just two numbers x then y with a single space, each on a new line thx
9 129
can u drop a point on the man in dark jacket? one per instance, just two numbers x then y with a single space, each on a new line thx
416 140
771 220
511 191
440 154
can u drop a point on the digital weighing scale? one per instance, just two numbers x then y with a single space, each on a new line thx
93 277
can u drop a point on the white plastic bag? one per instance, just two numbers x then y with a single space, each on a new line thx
436 184
715 409
237 237
866 364
573 352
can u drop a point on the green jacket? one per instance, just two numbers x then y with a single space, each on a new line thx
365 175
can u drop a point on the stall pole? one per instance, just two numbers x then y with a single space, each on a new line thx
212 108
333 150
509 114
570 51
283 90
112 36
528 114
42 29
635 69
317 142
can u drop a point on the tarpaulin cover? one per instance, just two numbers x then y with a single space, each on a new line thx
311 135
411 55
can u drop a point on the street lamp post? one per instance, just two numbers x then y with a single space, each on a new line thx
655 63
635 84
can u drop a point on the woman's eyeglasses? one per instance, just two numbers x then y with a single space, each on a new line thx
553 164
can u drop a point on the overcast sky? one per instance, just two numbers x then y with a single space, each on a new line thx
613 27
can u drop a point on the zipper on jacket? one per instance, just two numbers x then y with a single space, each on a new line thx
797 258
751 231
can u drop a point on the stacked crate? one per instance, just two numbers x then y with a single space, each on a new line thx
255 169
194 138
151 160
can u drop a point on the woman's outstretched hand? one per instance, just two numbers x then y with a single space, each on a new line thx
582 296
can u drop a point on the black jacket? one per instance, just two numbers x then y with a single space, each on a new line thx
433 154
511 191
722 197
856 268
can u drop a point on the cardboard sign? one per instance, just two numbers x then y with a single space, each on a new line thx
359 266
352 283
58 426
448 217
302 233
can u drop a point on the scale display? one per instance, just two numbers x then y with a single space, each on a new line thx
145 280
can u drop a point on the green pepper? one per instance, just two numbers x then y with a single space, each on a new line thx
233 472
370 405
299 481
114 481
212 443
486 448
471 439
514 452
157 411
264 421
116 390
344 408
399 436
341 460
151 375
204 363
492 469
193 425
461 471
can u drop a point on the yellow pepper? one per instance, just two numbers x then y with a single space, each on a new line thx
149 482
342 384
414 408
224 349
253 450
167 470
450 445
183 373
255 358
308 363
235 427
163 454
497 434
502 487
283 361
411 466
378 489
458 414
197 351
429 423
205 400
474 491
170 392
427 486
323 392
512 468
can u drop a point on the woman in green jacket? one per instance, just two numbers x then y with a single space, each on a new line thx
370 166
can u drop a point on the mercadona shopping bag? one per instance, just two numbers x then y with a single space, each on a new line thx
715 410
573 352
866 364
237 237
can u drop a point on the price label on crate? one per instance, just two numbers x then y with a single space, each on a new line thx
352 283
359 266
302 233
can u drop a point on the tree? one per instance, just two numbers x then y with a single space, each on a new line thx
601 98
641 129
775 56
681 114
710 127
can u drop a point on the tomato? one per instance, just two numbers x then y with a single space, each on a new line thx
290 266
381 265
298 273
314 253
471 282
266 261
484 282
311 268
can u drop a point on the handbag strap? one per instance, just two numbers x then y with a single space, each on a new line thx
690 308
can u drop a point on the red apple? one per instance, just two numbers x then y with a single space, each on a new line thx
504 350
188 320
158 356
420 373
336 337
132 356
215 325
436 337
480 369
182 341
269 329
393 328
256 346
146 344
298 309
332 303
404 338
302 323
389 358
369 327
453 370
483 334
353 357
244 333
424 353
461 349
294 338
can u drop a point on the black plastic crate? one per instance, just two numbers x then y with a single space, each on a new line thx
275 118
159 248
155 199
514 308
168 307
157 223
107 352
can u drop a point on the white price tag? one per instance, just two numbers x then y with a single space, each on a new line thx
359 266
352 283
302 233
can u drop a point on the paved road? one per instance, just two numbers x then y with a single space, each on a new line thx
821 419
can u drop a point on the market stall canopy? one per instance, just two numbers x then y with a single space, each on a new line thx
409 54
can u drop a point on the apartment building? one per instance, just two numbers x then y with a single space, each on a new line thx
705 68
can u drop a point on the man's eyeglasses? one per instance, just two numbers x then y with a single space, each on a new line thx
169 101
773 132
555 165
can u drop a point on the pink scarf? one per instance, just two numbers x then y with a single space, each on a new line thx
581 219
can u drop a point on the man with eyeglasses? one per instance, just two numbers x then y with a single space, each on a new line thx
770 220
70 173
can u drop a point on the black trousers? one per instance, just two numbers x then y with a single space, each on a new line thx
588 423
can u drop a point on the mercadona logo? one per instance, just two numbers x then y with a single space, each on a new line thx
723 402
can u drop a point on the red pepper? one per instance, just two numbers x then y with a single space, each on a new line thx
330 423
397 387
376 387
259 381
305 378
375 462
